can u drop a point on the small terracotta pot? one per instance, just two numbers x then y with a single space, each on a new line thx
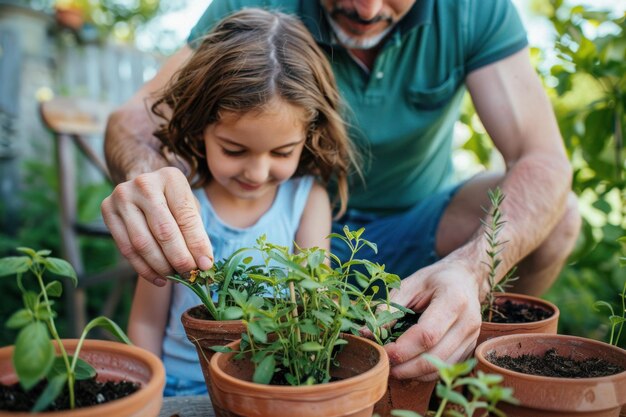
206 333
69 17
547 326
362 380
113 361
405 394
549 396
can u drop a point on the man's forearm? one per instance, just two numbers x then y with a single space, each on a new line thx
130 146
536 189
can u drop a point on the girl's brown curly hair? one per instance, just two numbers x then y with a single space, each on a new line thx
249 58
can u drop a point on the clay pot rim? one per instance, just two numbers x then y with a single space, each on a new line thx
531 299
145 394
380 366
487 346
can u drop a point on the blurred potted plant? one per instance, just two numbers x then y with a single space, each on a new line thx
44 373
71 13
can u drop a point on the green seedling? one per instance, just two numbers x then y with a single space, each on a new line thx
34 356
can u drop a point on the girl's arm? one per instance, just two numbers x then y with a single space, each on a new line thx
315 224
148 315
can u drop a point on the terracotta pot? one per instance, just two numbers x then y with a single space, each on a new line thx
549 396
362 380
206 333
405 394
69 17
113 361
547 326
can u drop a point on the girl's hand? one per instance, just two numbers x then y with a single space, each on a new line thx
156 225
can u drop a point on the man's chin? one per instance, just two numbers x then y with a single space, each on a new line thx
358 41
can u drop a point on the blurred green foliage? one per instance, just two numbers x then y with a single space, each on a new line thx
585 76
38 219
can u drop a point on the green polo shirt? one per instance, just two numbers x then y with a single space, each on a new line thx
402 113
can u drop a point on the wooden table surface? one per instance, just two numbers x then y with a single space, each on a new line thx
192 406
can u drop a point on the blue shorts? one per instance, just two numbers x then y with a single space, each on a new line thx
175 387
405 241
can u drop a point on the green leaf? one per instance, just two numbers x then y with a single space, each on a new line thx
28 251
63 268
309 284
451 395
44 252
316 258
54 289
598 304
404 413
325 318
257 331
19 319
265 370
107 324
83 370
232 313
221 349
33 354
311 347
50 393
602 205
29 298
12 265
307 326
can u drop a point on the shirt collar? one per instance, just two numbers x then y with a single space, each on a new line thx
313 16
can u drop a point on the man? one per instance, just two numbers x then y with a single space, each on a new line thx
402 67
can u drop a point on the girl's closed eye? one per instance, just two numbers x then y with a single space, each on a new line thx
233 152
283 154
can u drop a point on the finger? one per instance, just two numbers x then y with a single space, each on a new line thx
450 350
118 232
155 232
144 243
184 208
433 324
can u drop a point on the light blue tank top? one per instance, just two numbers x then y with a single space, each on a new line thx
279 224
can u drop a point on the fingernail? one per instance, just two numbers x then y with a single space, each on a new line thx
159 282
204 262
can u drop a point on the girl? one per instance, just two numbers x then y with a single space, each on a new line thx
254 114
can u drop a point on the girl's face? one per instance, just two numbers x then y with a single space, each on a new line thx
249 154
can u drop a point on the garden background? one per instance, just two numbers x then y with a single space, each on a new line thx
578 48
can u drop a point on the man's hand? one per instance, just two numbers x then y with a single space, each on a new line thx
448 295
156 225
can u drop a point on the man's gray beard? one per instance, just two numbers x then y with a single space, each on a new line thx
350 42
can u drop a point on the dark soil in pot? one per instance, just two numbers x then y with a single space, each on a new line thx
200 312
554 365
88 392
516 312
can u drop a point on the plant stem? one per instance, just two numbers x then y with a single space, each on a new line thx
294 312
55 335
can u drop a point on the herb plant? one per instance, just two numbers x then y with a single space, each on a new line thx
215 287
485 392
493 227
34 356
294 337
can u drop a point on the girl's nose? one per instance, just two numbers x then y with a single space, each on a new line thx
257 170
368 9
